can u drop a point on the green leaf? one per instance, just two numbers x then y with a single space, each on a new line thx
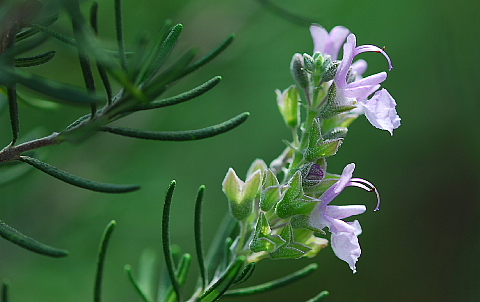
97 297
183 97
198 237
14 236
272 284
217 290
167 249
13 110
35 60
188 135
78 181
163 51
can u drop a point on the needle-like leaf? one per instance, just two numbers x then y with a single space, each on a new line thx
101 260
78 181
14 236
188 135
272 284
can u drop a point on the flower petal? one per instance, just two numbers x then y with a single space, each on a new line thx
326 43
340 212
346 247
380 111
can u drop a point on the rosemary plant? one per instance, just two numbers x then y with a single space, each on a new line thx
281 210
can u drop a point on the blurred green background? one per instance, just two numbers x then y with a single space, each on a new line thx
422 246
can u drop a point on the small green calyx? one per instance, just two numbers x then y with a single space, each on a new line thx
241 195
292 249
293 203
262 240
317 146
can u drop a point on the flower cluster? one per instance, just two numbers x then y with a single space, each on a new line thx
285 208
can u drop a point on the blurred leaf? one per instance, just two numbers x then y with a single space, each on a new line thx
49 87
319 297
35 60
146 274
32 31
37 103
187 135
136 285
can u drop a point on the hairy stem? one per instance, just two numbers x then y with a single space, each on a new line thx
11 153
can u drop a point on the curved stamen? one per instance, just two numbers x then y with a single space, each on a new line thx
368 186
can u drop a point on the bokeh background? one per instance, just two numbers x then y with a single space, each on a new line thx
422 246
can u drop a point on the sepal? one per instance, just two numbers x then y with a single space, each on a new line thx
291 250
292 202
262 240
335 104
325 149
271 193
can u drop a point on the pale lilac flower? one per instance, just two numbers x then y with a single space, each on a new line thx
328 43
380 109
344 234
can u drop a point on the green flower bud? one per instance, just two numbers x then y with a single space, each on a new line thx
288 101
299 73
257 164
241 195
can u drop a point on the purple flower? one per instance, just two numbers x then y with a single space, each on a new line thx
380 109
344 234
326 43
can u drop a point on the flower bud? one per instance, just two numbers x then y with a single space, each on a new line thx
288 105
312 175
241 195
299 73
